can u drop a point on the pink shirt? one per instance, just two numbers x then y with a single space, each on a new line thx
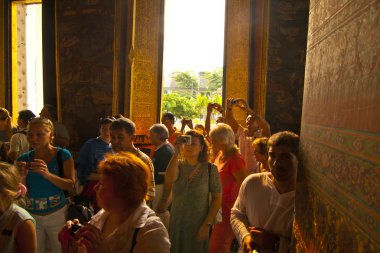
246 149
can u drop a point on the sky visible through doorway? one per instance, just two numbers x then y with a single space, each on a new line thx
194 35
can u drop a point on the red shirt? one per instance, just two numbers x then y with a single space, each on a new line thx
174 136
226 169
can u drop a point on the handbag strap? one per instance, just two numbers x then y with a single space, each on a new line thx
61 173
134 239
60 163
209 175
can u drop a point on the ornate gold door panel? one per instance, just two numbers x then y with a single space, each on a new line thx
237 50
85 65
2 54
145 58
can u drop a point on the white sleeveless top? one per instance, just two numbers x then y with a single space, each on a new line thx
9 222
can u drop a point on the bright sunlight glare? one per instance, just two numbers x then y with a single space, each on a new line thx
194 35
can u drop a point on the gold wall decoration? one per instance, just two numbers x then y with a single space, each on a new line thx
86 55
287 38
237 51
145 62
2 53
259 57
338 196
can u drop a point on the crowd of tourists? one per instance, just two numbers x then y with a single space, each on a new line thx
221 189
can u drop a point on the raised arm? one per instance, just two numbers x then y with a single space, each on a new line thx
183 125
263 124
230 116
172 169
208 118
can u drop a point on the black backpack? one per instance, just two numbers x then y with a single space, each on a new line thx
77 208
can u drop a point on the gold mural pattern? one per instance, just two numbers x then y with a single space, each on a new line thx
337 200
286 64
343 63
85 39
145 64
346 173
237 53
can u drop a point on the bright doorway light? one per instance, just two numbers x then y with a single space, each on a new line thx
27 71
33 38
193 49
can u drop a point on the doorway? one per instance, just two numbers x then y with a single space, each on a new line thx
193 58
27 74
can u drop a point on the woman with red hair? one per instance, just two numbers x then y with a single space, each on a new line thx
126 223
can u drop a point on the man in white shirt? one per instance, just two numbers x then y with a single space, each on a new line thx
19 143
262 216
122 137
255 127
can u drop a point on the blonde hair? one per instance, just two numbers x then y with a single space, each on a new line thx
44 122
9 184
223 134
4 113
6 117
262 143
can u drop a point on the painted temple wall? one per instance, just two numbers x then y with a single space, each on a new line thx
337 196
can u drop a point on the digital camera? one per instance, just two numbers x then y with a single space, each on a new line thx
233 101
75 227
185 139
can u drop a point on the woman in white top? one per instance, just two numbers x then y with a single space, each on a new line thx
17 226
126 223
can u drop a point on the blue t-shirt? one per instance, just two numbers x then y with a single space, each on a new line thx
44 196
91 153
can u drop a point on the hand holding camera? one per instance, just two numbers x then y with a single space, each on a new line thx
38 166
187 121
68 236
23 168
232 102
215 106
239 102
181 140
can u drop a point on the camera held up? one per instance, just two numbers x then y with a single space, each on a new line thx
185 139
